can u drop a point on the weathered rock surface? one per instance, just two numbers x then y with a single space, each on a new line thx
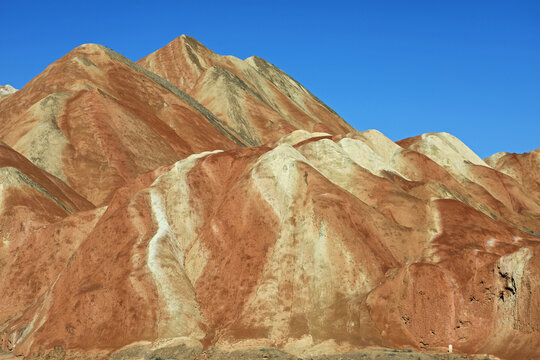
307 247
135 224
521 167
30 199
96 120
252 96
6 90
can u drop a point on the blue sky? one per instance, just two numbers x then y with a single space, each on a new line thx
471 68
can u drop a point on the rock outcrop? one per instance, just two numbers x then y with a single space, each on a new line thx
136 223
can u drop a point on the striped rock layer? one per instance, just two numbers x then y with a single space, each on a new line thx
133 219
252 96
96 120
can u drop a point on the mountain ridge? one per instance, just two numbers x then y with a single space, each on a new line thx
184 61
136 222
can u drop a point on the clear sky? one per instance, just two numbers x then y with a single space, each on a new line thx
471 68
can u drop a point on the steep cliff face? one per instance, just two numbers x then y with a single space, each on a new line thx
135 223
252 96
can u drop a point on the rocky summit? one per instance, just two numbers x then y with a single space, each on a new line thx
198 206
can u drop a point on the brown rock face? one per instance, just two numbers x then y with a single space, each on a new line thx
520 167
252 96
202 246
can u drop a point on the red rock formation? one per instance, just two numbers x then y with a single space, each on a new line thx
312 243
252 96
97 121
37 233
520 167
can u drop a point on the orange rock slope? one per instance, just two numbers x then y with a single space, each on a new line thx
134 219
96 120
252 96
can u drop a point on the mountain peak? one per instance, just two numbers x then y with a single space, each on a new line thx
187 41
262 98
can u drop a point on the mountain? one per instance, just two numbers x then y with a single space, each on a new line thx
252 96
96 120
152 218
